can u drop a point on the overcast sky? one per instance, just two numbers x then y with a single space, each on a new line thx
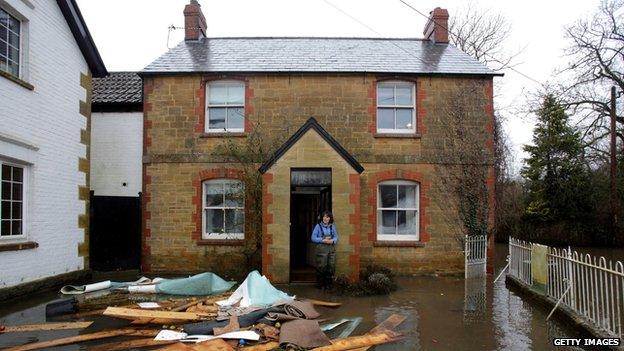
131 33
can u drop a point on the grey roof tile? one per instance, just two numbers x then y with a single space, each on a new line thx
376 55
118 87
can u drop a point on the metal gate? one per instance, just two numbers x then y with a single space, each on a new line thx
475 248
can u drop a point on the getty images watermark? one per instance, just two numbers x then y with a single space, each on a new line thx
586 342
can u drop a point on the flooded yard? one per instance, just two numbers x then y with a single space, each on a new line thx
443 313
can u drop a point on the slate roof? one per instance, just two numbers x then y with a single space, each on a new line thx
117 89
311 123
283 54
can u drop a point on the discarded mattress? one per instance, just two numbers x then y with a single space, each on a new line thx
255 290
200 284
82 289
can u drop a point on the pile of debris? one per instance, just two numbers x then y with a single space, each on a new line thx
255 316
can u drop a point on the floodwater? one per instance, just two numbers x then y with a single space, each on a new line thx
443 313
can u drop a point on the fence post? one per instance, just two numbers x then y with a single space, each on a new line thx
571 279
466 256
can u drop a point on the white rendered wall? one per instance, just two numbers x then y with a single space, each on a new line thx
116 153
48 119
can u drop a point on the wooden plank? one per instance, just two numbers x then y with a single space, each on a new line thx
356 342
160 321
136 314
176 347
72 340
324 303
87 313
132 344
145 332
390 323
185 306
44 326
262 347
213 345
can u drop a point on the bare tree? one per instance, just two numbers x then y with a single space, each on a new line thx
596 62
481 34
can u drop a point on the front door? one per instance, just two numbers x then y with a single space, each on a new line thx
310 195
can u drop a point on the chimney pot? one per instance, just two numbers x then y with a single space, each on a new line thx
194 21
436 28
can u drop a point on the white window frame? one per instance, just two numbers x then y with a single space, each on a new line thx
25 200
221 236
20 43
398 237
223 83
394 107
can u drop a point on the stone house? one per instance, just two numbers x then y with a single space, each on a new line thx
361 125
47 59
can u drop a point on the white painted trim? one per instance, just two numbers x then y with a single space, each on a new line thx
17 141
26 195
22 16
378 209
29 4
220 236
394 84
18 150
223 83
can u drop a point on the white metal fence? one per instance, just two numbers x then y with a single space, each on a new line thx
475 248
595 287
591 287
520 260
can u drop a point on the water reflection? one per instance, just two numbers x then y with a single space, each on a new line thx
475 302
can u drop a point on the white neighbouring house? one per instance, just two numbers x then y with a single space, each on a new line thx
47 59
117 135
116 171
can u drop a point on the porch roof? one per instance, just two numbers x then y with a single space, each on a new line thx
311 123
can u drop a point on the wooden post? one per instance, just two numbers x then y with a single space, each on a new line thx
613 173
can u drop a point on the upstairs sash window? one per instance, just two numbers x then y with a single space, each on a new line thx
225 110
396 108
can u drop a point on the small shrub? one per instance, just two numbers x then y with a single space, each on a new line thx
374 280
379 283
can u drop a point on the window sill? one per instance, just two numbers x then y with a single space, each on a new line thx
224 134
16 80
398 243
221 242
398 136
26 245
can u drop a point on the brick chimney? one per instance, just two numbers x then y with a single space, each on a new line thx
436 28
194 21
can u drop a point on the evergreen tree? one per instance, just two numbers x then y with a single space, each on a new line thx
556 175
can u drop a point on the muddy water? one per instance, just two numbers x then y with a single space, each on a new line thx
443 313
449 313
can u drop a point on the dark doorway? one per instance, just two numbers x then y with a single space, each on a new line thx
310 195
115 233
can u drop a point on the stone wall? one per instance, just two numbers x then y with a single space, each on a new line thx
311 151
176 149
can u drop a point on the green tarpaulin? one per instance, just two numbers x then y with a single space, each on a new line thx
200 284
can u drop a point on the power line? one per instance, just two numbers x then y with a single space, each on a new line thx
373 30
456 36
